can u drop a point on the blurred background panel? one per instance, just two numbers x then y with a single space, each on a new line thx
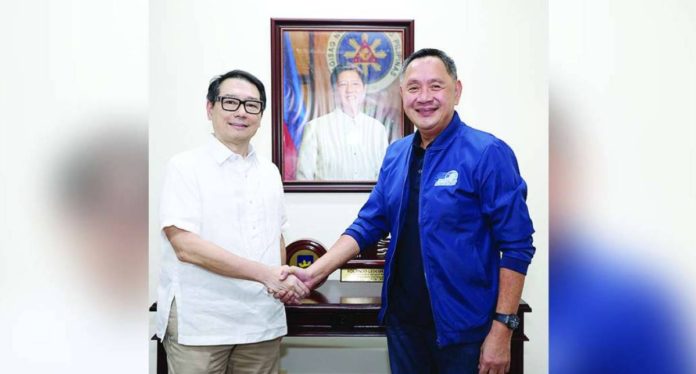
622 125
73 186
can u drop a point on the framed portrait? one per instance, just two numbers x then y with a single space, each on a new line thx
335 100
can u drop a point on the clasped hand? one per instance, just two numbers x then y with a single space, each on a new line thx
283 285
300 282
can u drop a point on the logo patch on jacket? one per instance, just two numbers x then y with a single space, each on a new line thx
447 179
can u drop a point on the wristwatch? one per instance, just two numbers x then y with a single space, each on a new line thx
509 320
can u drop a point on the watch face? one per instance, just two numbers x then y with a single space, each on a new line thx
513 322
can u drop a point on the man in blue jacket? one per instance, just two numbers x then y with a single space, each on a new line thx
453 200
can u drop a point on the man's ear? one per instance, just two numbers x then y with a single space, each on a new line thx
457 91
209 109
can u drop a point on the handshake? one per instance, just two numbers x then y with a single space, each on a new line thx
290 284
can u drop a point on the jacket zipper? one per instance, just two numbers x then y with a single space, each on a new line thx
420 237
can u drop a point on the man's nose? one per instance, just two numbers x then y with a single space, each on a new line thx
424 96
241 112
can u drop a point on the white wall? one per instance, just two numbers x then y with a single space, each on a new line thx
501 51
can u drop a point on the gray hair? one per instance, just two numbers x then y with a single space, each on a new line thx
431 52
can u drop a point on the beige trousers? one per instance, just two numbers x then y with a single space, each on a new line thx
253 358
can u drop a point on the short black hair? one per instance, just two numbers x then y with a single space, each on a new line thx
346 67
432 52
214 86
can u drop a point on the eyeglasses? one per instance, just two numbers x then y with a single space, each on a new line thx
232 104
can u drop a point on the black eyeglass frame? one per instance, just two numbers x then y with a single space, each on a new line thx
241 102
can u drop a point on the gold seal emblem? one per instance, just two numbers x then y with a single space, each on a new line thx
379 54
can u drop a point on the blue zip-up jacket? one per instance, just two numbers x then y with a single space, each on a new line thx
472 209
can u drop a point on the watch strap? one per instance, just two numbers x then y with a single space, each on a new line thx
509 320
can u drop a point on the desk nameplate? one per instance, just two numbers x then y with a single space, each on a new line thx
362 275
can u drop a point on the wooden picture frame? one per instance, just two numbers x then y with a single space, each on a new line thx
330 133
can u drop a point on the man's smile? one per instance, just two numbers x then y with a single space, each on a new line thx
426 111
240 126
